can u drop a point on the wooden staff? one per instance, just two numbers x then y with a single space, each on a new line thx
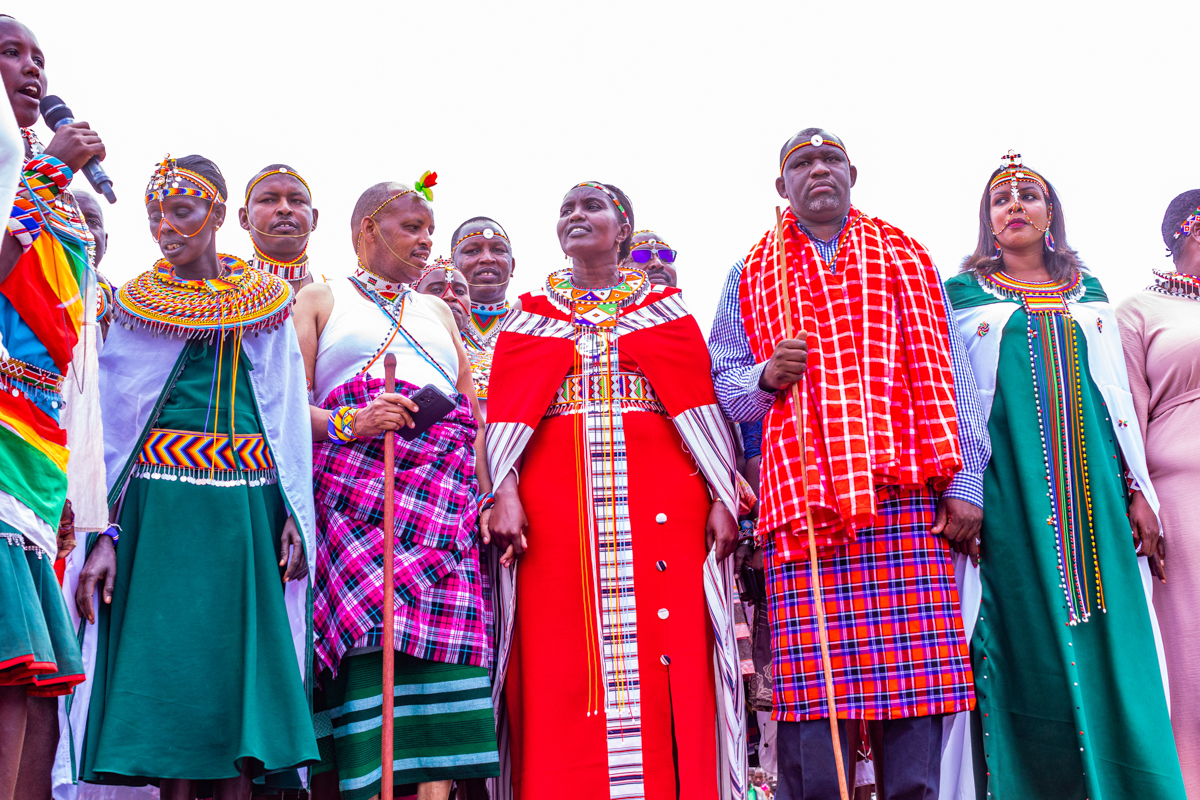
389 588
814 571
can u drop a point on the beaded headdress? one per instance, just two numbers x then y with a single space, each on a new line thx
438 263
1185 228
611 196
280 171
423 186
649 242
166 182
815 141
487 233
1013 172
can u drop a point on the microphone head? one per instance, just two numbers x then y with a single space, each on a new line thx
54 111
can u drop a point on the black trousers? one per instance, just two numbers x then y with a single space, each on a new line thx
909 768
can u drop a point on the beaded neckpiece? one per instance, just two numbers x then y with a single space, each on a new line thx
242 299
288 270
380 285
596 308
1176 284
1035 295
485 322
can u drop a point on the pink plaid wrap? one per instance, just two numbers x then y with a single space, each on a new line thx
440 588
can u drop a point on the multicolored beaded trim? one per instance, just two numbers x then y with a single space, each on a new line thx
1176 284
487 233
611 196
596 308
1035 296
816 141
165 182
294 270
206 459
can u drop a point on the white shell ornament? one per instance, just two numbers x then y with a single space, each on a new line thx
488 233
816 140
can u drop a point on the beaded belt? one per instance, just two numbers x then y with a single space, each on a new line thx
207 459
18 377
630 389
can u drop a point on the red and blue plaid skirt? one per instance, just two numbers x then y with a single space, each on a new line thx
441 613
896 637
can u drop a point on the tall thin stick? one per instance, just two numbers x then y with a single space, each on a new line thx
784 284
389 589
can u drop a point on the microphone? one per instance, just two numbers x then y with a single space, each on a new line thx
56 114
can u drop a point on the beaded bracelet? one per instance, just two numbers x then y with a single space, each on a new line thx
113 532
746 530
487 501
341 425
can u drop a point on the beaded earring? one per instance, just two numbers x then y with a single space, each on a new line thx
1049 240
997 253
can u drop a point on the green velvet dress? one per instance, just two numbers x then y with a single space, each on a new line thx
1070 696
195 666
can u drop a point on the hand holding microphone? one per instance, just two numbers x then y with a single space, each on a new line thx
76 145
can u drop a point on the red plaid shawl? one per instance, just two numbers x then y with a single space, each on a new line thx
880 392
439 586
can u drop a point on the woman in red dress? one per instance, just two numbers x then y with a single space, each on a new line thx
617 493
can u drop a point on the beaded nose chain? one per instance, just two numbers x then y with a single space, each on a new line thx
1013 174
486 233
167 181
424 187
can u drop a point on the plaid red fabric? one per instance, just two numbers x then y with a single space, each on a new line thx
440 613
880 392
896 637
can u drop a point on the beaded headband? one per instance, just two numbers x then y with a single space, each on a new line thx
164 183
280 171
422 187
1015 171
816 141
1186 227
611 196
650 243
438 263
487 233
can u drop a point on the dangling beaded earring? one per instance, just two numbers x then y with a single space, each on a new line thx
997 253
1049 240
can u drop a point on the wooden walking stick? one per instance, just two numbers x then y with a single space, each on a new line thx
781 279
389 589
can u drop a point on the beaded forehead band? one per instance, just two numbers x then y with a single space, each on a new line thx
165 182
816 141
1188 224
487 233
659 243
1014 172
272 173
611 196
438 263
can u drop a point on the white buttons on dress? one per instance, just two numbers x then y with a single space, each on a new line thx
663 613
661 518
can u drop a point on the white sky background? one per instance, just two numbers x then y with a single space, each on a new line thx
684 106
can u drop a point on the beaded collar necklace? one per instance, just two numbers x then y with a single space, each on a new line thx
380 285
241 299
288 270
1176 284
1035 295
599 307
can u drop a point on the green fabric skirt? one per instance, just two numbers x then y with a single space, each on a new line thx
38 646
196 670
444 725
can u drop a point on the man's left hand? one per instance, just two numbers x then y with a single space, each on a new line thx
291 552
721 529
957 520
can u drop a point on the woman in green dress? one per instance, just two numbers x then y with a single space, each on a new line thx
1069 684
202 638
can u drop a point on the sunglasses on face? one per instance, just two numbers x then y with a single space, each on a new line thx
645 256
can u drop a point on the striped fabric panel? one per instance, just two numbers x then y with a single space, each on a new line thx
630 389
669 308
608 479
718 592
505 441
538 325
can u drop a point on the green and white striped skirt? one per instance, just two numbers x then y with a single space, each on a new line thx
444 724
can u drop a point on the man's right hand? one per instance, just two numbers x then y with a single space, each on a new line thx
75 144
101 565
387 412
786 365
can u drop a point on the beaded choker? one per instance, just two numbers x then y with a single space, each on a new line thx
288 270
596 308
1036 296
242 299
381 286
1176 284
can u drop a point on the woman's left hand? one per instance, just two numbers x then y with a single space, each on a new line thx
721 528
1146 532
291 540
485 531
